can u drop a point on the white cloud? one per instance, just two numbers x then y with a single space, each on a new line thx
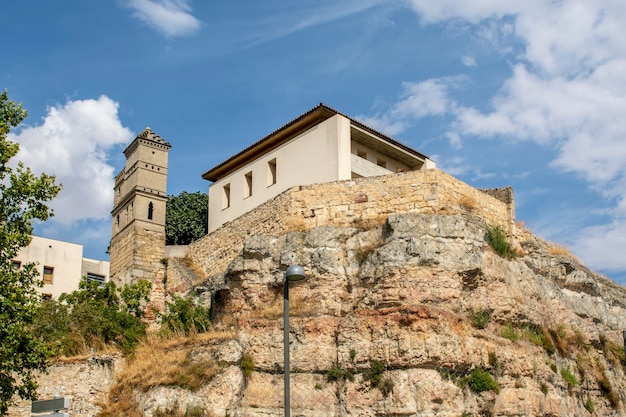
567 90
72 143
426 98
170 17
468 61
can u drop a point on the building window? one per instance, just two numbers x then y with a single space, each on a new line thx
16 265
361 153
271 172
48 275
226 196
96 277
150 211
381 163
45 297
248 185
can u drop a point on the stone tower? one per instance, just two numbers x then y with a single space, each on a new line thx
138 236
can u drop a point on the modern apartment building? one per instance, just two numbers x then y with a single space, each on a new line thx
61 265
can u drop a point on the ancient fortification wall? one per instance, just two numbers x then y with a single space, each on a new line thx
355 202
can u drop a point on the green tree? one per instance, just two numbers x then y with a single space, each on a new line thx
186 218
23 198
94 317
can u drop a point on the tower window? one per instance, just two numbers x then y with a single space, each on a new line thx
150 211
226 196
381 163
248 187
271 172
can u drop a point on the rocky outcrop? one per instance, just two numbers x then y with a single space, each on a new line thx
419 317
406 296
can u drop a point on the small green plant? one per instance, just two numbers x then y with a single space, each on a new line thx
569 377
544 388
318 386
337 373
497 366
386 386
480 318
497 239
589 406
352 355
480 380
509 332
374 375
553 367
540 337
247 365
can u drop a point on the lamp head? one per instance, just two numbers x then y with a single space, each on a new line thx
294 273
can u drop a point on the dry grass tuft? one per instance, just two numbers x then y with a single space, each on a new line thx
468 202
163 361
299 306
556 249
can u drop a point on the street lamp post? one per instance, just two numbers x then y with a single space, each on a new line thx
293 274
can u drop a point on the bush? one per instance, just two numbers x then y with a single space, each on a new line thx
247 365
497 239
186 317
480 380
92 317
480 318
337 373
589 406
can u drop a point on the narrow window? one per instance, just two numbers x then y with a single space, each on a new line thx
96 277
48 275
248 187
150 210
226 196
361 153
381 163
16 265
117 222
271 172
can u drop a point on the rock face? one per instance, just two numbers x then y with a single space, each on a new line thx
419 317
408 297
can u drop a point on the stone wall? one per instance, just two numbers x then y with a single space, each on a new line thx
86 382
358 202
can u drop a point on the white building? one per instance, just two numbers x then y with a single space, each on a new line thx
320 146
61 264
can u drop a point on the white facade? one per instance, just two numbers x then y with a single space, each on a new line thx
61 265
320 146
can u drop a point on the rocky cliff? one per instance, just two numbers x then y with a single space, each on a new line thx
419 317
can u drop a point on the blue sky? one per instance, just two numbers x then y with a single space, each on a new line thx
529 94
